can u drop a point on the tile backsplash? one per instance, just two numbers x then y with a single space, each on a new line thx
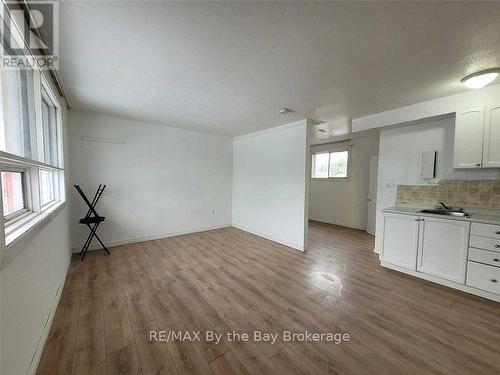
461 193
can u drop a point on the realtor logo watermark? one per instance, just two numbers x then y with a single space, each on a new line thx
30 35
254 336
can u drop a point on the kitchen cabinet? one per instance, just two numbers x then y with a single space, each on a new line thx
469 138
477 138
484 277
442 248
400 240
433 246
458 253
491 148
483 271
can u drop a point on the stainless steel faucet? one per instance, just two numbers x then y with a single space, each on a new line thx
444 206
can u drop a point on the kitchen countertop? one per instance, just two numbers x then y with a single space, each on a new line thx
475 216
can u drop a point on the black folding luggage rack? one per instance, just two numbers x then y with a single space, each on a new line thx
92 220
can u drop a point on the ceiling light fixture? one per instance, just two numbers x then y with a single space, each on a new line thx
480 79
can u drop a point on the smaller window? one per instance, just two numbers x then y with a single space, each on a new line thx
49 133
13 194
321 165
330 164
47 187
338 164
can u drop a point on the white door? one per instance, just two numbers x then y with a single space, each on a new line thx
469 129
491 152
372 195
442 249
400 240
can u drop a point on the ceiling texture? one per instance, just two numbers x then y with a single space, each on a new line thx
229 67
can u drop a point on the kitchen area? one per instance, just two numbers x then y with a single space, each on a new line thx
438 200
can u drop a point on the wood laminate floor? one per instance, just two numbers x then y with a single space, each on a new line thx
228 280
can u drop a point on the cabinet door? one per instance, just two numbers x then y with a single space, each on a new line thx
442 249
400 240
491 151
469 129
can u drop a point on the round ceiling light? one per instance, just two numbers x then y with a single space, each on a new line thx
481 79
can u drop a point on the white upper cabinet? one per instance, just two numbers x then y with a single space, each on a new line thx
469 131
442 249
491 151
400 240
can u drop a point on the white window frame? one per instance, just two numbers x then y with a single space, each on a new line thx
329 152
16 226
55 178
15 216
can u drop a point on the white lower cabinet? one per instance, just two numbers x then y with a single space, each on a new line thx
484 277
455 253
442 248
433 246
400 240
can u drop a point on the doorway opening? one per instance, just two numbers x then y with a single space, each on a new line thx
343 186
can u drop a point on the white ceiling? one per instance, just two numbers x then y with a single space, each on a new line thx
228 67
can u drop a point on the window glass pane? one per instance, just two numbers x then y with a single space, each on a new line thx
47 192
321 165
338 164
12 192
17 135
49 124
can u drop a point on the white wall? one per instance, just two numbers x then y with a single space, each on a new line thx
31 283
162 181
32 277
343 201
399 155
270 185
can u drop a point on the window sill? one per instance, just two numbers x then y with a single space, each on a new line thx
28 227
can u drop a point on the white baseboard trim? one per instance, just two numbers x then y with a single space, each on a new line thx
132 240
35 360
293 245
339 224
450 284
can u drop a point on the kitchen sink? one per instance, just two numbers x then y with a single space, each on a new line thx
451 212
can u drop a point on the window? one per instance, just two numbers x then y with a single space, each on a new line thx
330 164
321 165
338 164
13 196
47 187
49 125
31 154
32 177
18 123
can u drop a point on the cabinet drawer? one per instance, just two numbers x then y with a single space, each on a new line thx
484 256
485 243
483 277
485 230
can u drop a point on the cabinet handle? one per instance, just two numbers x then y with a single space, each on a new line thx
494 280
496 260
417 219
497 232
